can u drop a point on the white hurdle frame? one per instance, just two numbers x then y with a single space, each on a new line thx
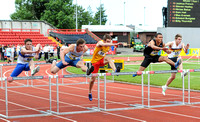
189 96
89 110
174 103
97 109
43 113
27 85
130 106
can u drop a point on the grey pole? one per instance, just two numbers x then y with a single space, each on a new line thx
100 12
76 17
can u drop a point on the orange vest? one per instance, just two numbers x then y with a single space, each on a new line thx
99 53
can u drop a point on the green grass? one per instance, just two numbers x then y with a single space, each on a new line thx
155 79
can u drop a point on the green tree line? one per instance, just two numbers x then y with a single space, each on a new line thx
60 13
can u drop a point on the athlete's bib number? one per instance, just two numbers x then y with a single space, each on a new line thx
72 58
153 53
176 54
101 53
27 59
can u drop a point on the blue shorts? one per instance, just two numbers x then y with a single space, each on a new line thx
68 60
19 68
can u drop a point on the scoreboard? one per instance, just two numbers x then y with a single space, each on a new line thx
183 13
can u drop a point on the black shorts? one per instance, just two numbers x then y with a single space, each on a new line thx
174 59
148 59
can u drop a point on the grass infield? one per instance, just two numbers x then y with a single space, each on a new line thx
155 79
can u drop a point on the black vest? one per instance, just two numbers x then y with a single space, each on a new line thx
148 50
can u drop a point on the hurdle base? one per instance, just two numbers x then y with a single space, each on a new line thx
74 112
138 105
195 103
178 102
26 116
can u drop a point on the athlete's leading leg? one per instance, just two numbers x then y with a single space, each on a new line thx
33 69
167 60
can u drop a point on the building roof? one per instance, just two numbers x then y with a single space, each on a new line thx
107 28
145 29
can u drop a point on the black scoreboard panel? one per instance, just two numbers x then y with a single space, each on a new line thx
183 13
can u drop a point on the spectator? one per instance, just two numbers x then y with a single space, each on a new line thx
51 51
40 54
18 48
12 53
2 52
46 50
8 53
63 47
58 51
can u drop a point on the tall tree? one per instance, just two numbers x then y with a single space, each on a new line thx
84 17
28 9
59 13
96 20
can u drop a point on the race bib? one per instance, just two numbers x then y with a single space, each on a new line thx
153 53
101 53
72 58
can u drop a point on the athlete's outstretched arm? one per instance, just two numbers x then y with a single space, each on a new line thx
64 52
153 46
185 48
24 51
107 44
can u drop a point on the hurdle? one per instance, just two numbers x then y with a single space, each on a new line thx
171 103
40 113
87 109
29 83
129 106
189 93
98 108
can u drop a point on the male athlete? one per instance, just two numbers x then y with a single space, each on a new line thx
151 53
25 59
176 48
71 56
100 59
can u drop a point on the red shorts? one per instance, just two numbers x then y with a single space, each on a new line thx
97 65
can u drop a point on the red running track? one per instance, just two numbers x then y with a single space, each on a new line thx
30 100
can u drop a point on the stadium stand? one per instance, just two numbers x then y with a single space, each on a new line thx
70 36
17 36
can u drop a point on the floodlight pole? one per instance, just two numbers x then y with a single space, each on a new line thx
100 12
124 12
144 15
76 17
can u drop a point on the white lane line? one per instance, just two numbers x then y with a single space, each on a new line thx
84 107
36 110
4 119
184 115
6 72
125 117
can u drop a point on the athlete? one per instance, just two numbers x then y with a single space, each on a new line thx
71 56
100 59
176 48
151 53
25 59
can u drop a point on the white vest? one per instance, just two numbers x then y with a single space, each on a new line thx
26 58
176 50
74 55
